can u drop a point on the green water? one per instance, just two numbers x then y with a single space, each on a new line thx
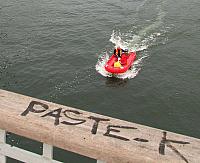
49 49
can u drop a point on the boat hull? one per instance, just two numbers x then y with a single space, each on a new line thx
127 63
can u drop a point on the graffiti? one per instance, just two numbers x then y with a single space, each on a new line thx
166 142
96 123
33 110
111 128
76 119
112 131
57 114
141 140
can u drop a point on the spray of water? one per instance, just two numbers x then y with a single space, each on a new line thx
138 41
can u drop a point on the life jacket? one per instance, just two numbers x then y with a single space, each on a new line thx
117 64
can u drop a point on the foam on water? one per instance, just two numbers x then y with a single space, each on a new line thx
138 41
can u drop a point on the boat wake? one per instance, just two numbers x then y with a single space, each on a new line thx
138 40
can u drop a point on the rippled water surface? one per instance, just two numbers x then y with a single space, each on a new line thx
55 50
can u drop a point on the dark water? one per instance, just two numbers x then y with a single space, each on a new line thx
49 49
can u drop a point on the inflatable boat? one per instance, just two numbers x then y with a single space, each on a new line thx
126 61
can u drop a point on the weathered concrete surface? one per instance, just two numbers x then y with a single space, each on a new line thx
96 136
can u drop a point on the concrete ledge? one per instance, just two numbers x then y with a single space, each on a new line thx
93 135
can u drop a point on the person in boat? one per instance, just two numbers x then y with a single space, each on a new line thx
118 52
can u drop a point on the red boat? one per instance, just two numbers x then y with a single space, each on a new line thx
126 62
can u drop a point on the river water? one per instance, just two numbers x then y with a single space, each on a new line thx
55 50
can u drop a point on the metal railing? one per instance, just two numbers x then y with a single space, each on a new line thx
19 154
